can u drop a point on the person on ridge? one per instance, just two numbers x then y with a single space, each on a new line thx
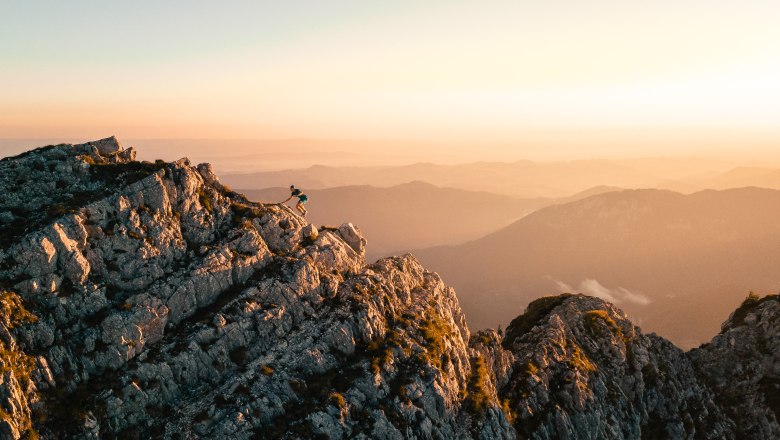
302 199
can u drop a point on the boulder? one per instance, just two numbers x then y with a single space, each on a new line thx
107 146
353 237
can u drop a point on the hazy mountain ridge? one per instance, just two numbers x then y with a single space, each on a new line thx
528 179
676 263
415 214
155 302
744 176
524 179
411 214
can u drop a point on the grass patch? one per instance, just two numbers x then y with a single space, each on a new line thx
14 312
434 331
205 199
243 213
477 395
485 338
12 359
598 320
381 351
88 159
578 360
511 416
337 399
17 362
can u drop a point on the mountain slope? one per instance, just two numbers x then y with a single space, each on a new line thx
744 176
146 300
156 302
676 263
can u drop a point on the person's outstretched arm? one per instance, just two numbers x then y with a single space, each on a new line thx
288 199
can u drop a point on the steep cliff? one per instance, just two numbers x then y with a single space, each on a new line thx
147 300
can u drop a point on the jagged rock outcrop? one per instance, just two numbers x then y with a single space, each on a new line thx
581 369
166 305
148 300
742 366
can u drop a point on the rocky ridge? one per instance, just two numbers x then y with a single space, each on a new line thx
149 300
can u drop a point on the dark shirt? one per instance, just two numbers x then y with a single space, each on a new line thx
297 193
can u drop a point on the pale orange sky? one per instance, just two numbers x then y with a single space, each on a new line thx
653 77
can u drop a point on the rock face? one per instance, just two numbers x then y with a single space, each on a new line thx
582 367
147 300
742 366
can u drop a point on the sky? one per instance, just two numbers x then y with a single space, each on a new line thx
600 76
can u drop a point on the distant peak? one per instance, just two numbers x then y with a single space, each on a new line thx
417 183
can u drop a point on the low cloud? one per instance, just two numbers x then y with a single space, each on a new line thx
615 295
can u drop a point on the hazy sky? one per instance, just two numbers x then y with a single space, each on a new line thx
601 74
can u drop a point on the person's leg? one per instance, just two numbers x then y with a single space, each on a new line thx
300 207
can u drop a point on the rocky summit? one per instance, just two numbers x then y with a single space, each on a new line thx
148 300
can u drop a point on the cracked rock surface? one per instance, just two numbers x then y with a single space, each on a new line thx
147 300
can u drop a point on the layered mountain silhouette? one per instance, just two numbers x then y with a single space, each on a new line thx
148 300
743 176
676 263
414 214
524 179
528 179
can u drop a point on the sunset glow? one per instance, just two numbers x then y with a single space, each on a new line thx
557 73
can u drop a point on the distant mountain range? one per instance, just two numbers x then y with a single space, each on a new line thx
526 179
676 263
414 214
743 176
519 179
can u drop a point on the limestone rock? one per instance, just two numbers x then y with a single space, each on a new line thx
353 237
148 300
310 232
107 146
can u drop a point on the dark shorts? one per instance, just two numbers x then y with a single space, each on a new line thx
303 199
